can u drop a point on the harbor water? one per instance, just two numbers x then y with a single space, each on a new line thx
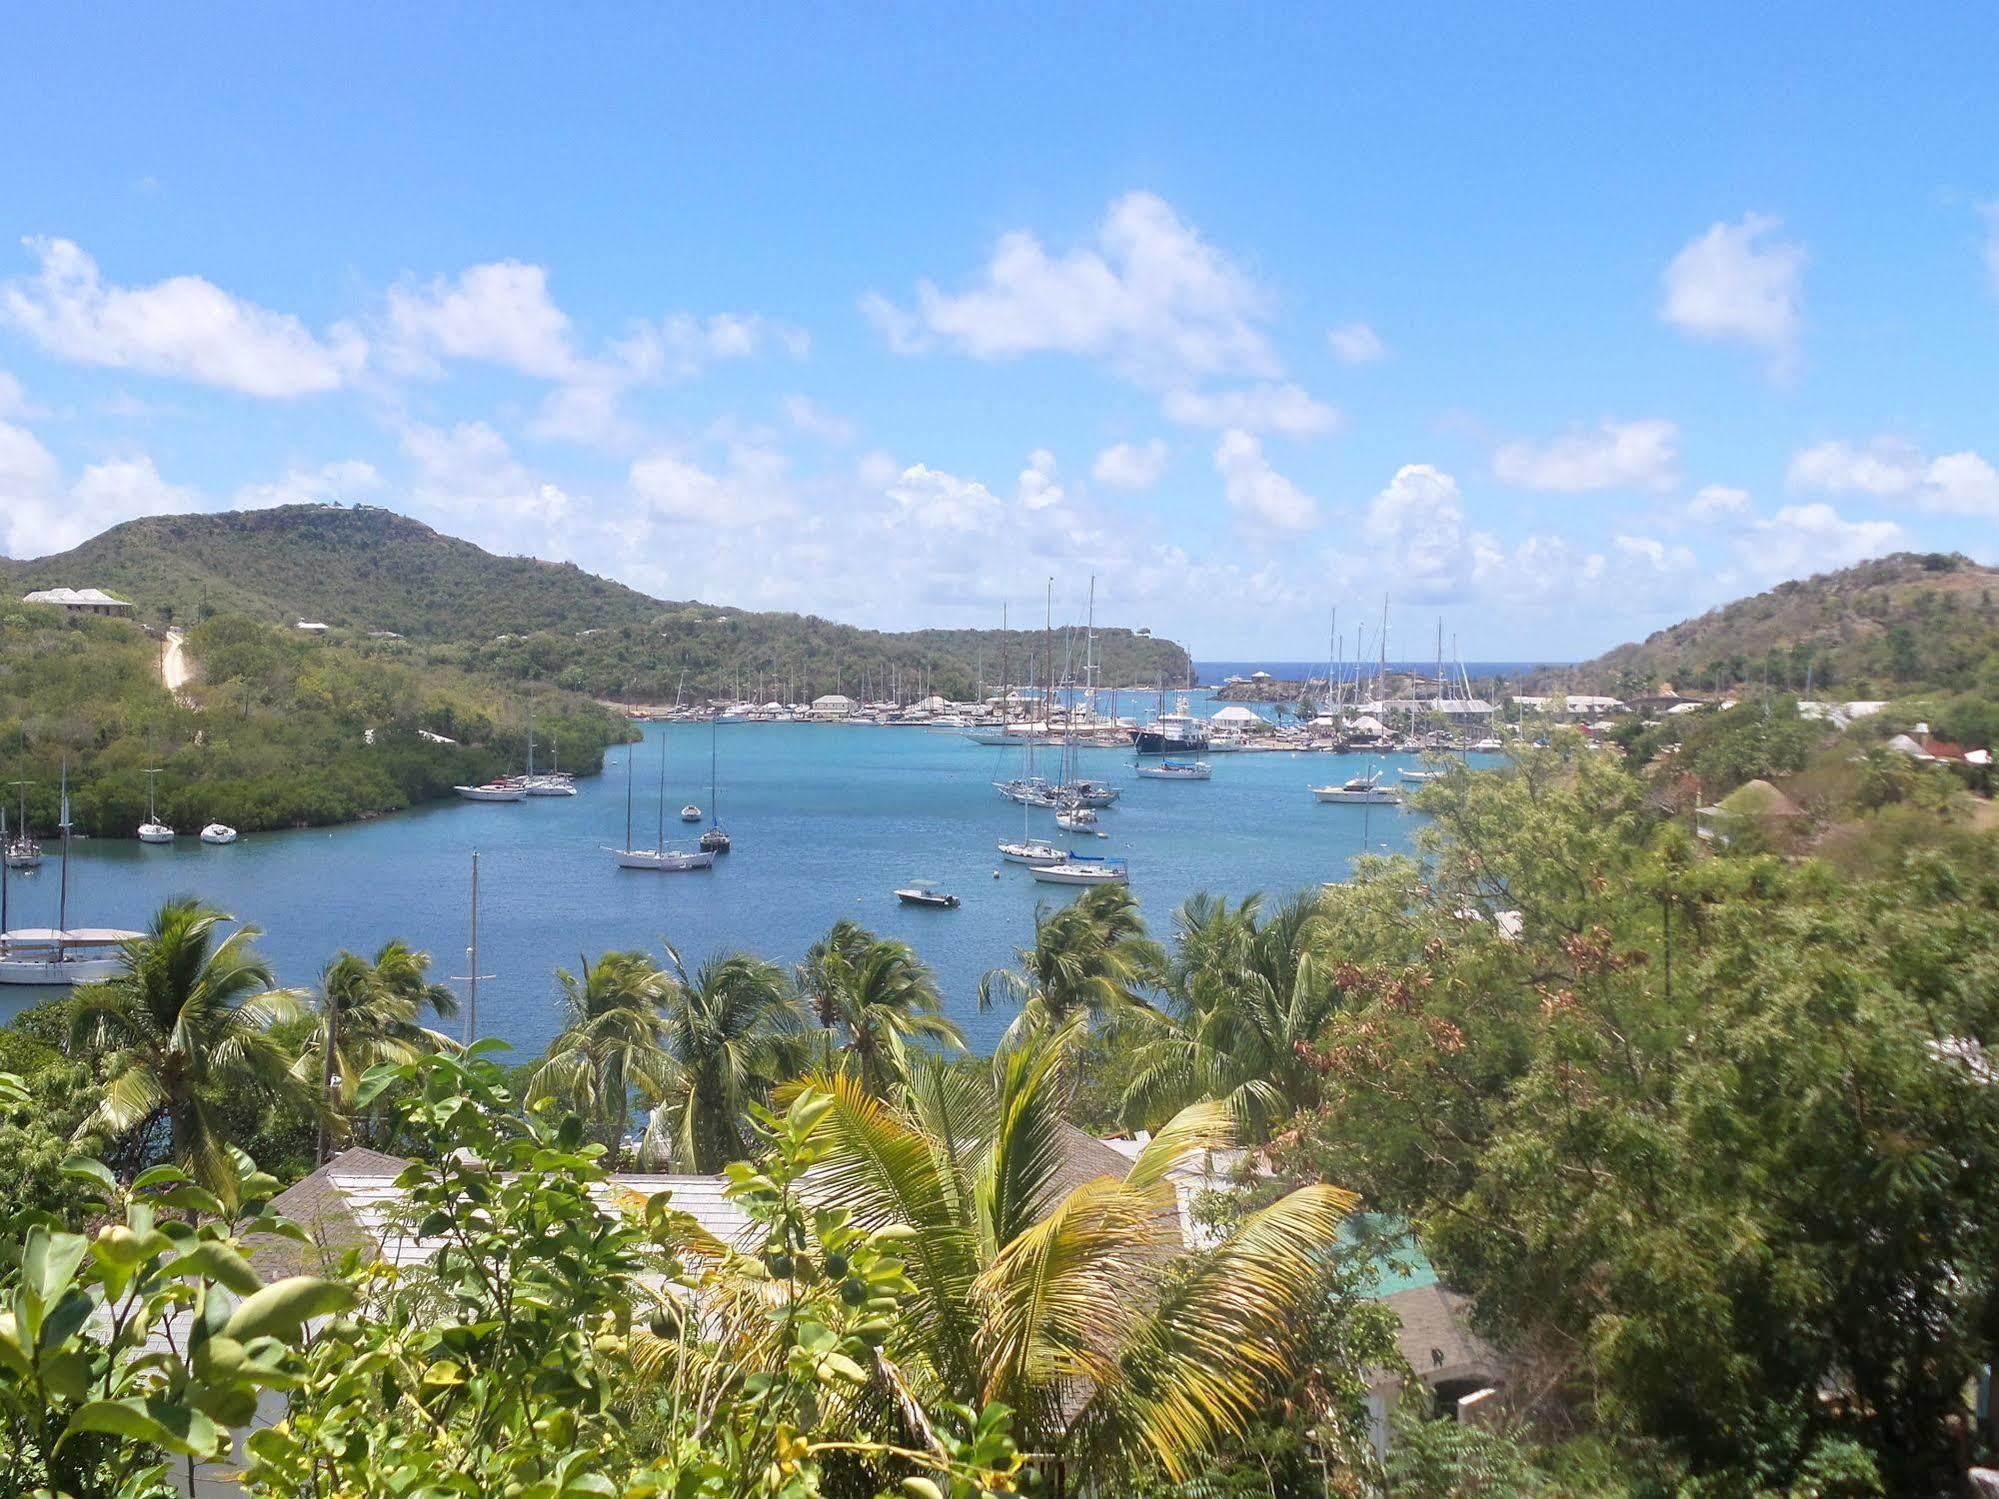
828 820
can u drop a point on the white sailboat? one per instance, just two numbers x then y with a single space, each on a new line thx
494 791
1083 869
218 833
152 830
58 955
659 856
19 849
716 840
1177 770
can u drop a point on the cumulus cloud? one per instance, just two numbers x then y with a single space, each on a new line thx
682 346
936 500
1356 343
301 485
1130 466
1888 468
468 473
1418 524
1040 485
1717 502
1613 455
1263 499
753 488
1286 409
40 515
1737 282
500 313
183 326
1803 539
1149 296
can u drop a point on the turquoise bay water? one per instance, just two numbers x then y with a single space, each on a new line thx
828 820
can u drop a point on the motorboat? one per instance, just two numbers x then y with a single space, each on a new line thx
924 893
1488 746
494 791
1082 869
666 860
1365 789
716 840
690 813
53 955
218 832
1420 777
1175 733
1076 819
1177 770
22 852
1032 851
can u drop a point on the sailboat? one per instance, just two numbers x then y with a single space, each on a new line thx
1366 790
58 955
551 782
21 851
659 856
716 839
152 830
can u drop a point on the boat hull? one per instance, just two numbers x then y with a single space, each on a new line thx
673 861
51 973
928 902
153 832
1032 854
216 834
1152 742
492 793
1340 796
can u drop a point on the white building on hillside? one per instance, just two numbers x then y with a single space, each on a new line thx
79 600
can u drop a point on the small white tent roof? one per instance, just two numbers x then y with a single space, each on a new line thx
1235 714
1367 723
933 704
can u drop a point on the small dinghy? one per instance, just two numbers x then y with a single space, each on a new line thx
690 813
926 893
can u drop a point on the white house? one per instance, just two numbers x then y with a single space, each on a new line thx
79 600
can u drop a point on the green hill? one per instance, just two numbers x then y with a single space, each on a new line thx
1899 625
363 569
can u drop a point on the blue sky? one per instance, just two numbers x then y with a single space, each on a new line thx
1559 326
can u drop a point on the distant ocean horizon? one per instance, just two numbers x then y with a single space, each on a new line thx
1212 673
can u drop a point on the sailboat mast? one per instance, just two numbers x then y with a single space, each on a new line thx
62 897
714 801
3 867
661 845
1048 659
629 751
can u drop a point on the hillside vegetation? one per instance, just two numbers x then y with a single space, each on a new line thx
1893 627
281 729
365 569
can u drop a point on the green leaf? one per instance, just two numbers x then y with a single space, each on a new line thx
156 1176
218 1262
88 1169
49 1261
280 1308
177 1428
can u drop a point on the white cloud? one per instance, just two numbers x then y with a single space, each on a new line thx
937 500
1287 409
1356 343
815 421
682 346
1040 486
1150 296
1737 281
1615 455
1130 466
182 326
12 398
1265 500
470 474
1717 502
1418 524
40 516
1803 539
305 486
1888 468
754 488
500 313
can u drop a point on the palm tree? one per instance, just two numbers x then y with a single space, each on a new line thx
879 995
1248 998
731 1032
184 1023
612 1044
1070 1302
1089 957
374 1008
